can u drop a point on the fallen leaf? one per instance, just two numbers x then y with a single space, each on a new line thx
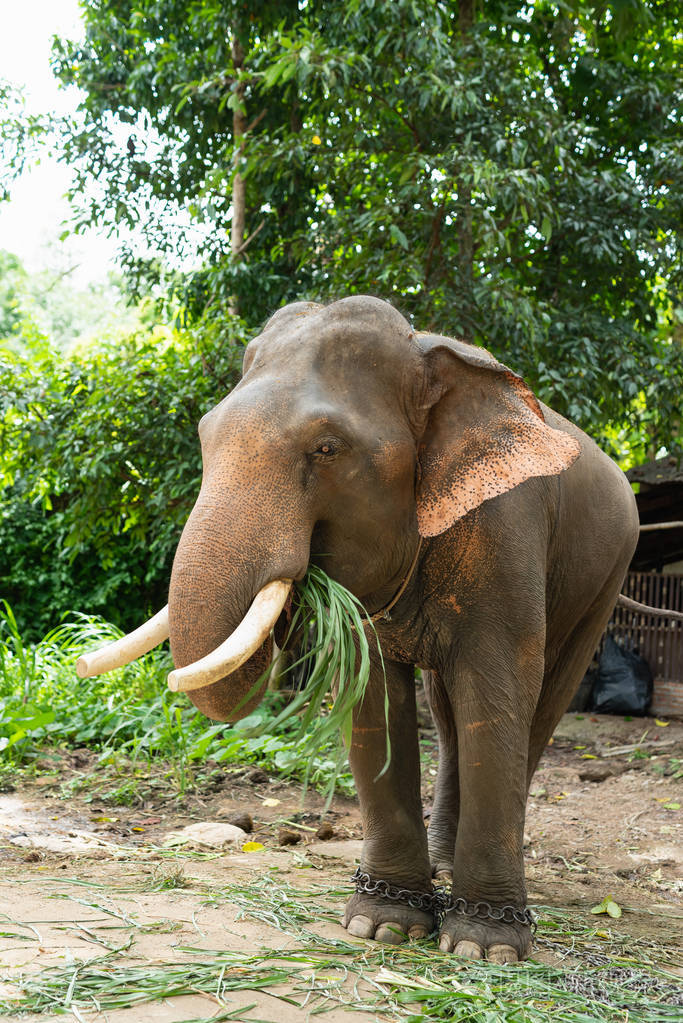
662 724
609 906
672 806
316 140
252 846
270 802
588 756
579 747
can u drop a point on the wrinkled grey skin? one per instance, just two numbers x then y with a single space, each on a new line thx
348 439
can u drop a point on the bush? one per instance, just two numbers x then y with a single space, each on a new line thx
131 712
100 466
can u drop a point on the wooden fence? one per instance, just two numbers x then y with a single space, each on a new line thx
659 640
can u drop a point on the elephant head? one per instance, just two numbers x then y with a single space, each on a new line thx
348 437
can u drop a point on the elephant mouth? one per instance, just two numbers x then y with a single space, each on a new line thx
240 645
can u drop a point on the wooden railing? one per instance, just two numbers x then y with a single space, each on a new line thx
659 640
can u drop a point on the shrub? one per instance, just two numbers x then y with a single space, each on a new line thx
100 466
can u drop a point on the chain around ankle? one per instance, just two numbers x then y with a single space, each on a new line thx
436 901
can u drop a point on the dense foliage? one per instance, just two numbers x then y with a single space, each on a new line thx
130 715
100 466
509 172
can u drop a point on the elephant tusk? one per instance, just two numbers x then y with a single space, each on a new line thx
240 645
126 649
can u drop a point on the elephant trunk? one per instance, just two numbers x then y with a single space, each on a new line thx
217 573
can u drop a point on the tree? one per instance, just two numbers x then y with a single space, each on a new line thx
100 466
511 173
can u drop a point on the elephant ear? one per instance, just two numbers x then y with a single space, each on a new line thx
485 433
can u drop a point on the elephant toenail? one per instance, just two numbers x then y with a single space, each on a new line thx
417 931
445 876
390 934
468 950
445 943
502 954
361 927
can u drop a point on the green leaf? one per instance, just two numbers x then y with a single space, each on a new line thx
608 906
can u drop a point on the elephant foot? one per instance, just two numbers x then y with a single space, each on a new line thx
496 941
442 872
372 917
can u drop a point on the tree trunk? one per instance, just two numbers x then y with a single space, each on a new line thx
239 124
464 224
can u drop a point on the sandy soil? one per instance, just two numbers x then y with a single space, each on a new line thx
84 877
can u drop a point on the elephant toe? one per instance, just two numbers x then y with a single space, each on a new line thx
361 927
502 954
390 933
468 950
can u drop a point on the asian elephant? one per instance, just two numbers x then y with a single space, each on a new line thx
426 477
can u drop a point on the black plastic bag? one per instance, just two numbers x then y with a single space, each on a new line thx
623 683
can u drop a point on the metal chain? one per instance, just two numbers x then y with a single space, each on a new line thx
501 914
429 902
439 901
630 982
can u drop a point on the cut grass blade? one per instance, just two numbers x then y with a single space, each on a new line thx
334 660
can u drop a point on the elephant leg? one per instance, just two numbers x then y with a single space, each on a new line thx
395 840
493 694
564 670
443 823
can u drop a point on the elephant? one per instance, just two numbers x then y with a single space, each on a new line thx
487 537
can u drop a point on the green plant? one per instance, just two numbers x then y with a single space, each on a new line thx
334 654
99 467
129 716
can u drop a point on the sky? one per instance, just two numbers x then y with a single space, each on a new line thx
31 222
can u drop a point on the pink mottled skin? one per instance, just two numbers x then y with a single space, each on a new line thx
348 439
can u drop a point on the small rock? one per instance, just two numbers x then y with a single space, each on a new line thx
596 773
325 832
243 821
211 835
32 857
257 777
287 837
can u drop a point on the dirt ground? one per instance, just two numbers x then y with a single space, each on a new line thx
85 877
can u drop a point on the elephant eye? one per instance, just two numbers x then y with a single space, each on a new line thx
326 449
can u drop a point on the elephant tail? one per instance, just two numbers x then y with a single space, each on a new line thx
634 605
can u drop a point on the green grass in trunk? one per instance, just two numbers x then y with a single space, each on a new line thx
329 627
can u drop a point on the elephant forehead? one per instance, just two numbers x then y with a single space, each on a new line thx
335 338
